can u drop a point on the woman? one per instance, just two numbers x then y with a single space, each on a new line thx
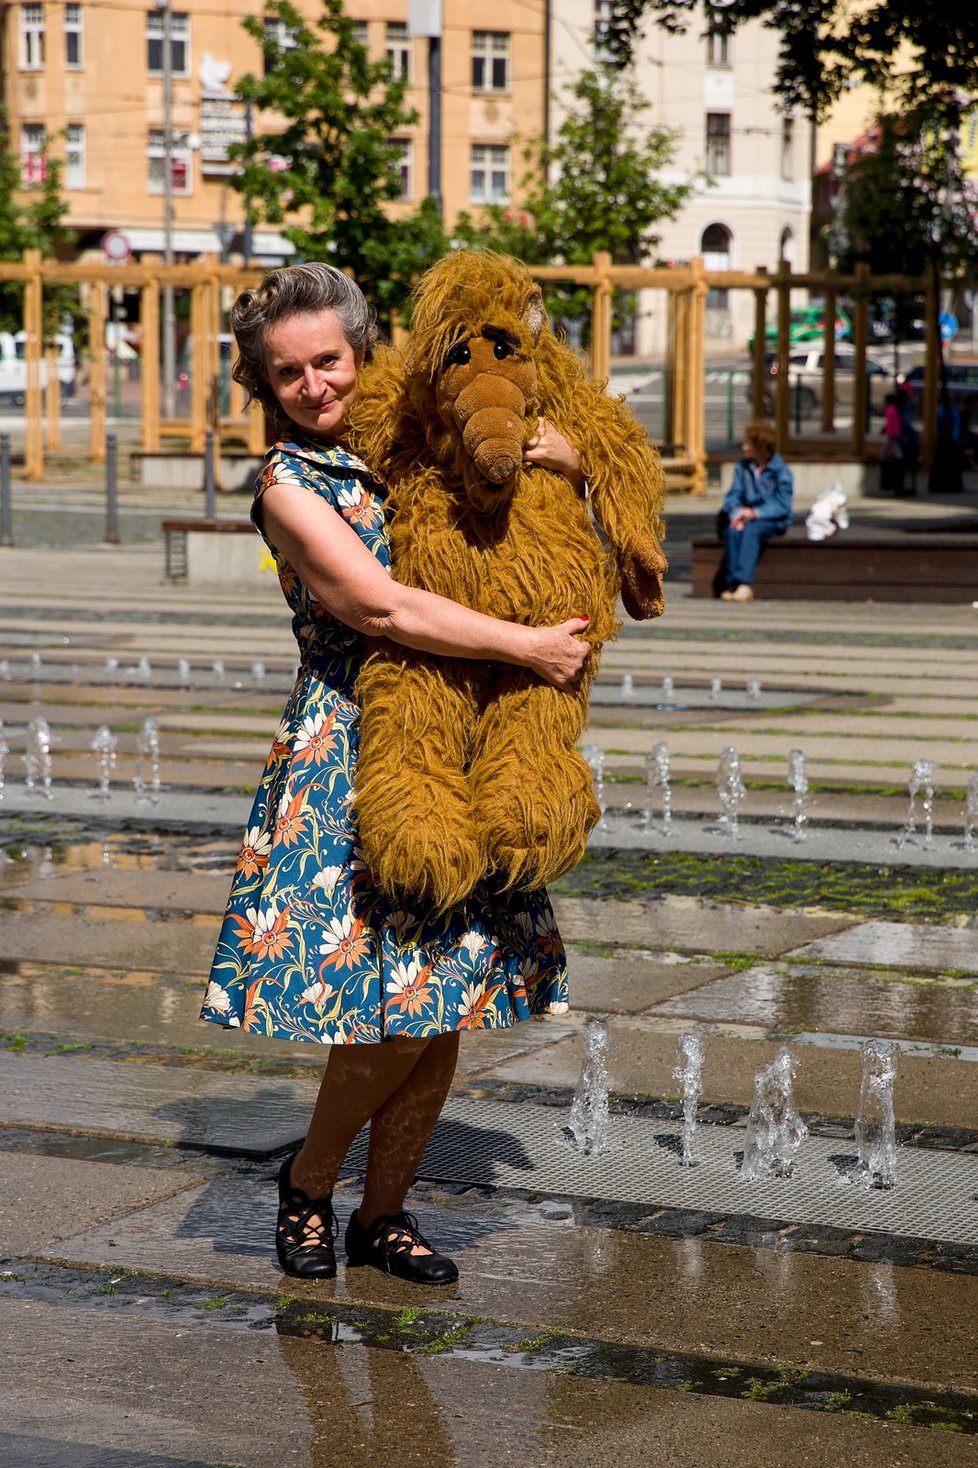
309 949
756 506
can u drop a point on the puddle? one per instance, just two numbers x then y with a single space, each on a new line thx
427 1332
811 1000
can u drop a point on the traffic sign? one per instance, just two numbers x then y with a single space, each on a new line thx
116 247
948 326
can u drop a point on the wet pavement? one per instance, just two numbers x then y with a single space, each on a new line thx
614 1306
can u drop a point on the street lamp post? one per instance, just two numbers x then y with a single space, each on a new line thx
169 313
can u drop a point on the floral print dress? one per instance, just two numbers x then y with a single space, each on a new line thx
309 948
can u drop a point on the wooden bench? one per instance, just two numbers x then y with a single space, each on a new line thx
863 563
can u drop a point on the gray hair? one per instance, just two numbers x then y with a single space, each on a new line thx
295 290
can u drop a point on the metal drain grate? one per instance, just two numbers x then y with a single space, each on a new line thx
518 1145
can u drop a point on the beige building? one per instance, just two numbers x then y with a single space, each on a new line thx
94 73
715 92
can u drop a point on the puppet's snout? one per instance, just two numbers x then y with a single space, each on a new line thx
490 412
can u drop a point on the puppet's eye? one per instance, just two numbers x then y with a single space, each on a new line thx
502 350
459 355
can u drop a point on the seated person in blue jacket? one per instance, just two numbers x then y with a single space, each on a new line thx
756 506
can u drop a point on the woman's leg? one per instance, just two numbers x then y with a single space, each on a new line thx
358 1081
401 1127
743 551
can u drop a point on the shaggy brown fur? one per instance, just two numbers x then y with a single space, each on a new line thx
467 769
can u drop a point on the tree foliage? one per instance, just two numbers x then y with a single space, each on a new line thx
596 187
920 51
905 204
30 220
324 166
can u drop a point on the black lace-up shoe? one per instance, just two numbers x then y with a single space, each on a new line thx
305 1230
387 1245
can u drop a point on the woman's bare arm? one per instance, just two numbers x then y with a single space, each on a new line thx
330 558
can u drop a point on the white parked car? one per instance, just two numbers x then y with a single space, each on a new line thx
805 368
13 367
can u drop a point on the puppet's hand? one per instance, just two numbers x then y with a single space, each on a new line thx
642 568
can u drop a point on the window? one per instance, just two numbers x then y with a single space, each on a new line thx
360 32
74 36
603 16
718 143
403 165
277 37
399 50
715 249
180 165
490 174
32 37
75 156
788 147
179 43
33 155
717 47
490 61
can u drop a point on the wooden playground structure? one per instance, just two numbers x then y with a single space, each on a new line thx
210 284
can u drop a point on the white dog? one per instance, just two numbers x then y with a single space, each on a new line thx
827 515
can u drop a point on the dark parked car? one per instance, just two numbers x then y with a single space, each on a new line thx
962 382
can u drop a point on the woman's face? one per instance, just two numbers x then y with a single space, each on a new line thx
312 370
757 453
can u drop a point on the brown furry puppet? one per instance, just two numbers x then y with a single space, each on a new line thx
469 769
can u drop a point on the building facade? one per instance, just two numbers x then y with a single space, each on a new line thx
714 91
88 77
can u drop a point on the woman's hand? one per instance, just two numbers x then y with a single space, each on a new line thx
561 654
551 450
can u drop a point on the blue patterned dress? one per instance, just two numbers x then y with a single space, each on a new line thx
309 949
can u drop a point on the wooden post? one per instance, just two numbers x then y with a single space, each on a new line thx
782 387
828 370
98 297
680 369
696 379
33 329
601 318
215 375
52 398
149 365
257 437
859 384
759 370
932 372
199 362
400 336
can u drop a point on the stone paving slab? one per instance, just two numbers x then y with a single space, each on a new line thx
628 985
822 843
321 1405
822 1313
154 1103
690 925
642 1057
169 947
813 998
906 945
156 888
43 1199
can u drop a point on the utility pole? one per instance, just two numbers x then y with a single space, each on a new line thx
425 19
169 314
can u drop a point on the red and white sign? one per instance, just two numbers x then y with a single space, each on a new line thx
116 247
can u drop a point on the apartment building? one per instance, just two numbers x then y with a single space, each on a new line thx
714 90
90 76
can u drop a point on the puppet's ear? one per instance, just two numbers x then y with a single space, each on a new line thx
533 311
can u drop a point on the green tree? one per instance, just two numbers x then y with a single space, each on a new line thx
30 219
596 187
325 166
905 203
920 51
